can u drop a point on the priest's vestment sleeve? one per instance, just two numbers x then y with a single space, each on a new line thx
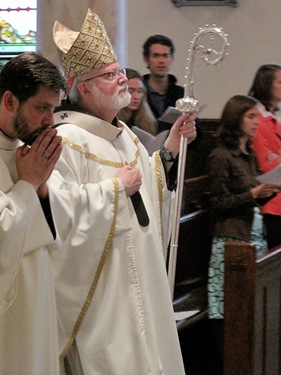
20 214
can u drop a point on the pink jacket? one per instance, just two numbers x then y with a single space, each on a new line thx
267 145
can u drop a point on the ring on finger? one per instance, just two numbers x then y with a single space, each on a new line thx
46 156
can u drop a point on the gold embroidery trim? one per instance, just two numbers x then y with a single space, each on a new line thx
107 248
136 140
89 155
160 185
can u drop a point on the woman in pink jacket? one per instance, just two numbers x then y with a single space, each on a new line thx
266 88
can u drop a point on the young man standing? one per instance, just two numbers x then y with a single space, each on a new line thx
162 90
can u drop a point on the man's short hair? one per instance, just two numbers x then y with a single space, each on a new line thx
157 39
24 74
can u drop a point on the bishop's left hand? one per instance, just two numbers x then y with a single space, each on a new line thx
184 126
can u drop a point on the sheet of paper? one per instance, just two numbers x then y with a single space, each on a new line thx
271 177
172 114
151 143
185 314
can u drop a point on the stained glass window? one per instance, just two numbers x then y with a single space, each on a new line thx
17 26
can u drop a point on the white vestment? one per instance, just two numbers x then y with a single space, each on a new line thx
128 326
28 325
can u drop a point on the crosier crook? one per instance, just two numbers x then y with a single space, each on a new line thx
191 105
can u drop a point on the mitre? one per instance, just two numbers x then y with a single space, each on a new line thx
80 52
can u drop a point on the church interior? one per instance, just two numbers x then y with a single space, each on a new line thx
251 30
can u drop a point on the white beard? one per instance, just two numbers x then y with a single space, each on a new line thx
117 102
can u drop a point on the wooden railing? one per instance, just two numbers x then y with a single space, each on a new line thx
252 344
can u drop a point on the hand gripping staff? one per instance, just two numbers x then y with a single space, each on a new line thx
212 56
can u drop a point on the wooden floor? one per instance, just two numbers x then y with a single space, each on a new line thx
199 350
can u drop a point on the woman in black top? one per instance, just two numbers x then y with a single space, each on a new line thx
235 192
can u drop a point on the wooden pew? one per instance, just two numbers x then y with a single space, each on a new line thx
194 248
252 321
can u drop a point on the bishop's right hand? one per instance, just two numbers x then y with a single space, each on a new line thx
131 179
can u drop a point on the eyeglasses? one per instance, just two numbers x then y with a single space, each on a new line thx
109 76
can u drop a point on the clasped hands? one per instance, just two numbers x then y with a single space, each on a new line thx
35 163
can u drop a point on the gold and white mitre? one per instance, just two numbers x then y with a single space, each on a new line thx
82 51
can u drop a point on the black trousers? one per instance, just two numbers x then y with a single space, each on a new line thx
273 230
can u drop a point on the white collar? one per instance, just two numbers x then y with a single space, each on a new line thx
7 143
90 123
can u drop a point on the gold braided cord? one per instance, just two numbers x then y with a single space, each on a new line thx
107 248
89 155
136 140
160 185
73 145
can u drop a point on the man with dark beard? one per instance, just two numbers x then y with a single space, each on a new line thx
114 302
30 88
